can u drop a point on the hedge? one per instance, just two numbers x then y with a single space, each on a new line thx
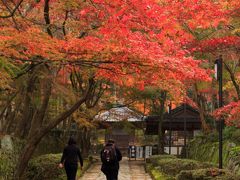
7 164
9 158
156 174
165 167
173 166
46 167
209 173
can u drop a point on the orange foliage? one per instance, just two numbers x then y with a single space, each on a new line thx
230 113
142 40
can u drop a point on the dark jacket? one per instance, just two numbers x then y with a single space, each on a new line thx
111 167
71 154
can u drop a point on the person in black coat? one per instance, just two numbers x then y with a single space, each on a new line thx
69 160
110 169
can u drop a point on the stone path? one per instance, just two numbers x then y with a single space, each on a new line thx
129 170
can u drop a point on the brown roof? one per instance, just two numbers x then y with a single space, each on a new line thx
175 121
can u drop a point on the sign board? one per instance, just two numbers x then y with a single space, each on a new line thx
139 152
148 151
132 151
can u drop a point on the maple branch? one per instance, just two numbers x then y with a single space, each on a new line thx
85 63
93 4
190 30
13 19
126 104
76 81
97 64
235 12
233 79
47 18
13 11
79 61
33 20
95 94
64 23
25 71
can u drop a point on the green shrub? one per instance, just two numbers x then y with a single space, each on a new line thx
154 159
203 174
236 136
234 160
7 164
212 137
235 151
9 158
162 157
170 167
167 167
156 174
46 167
174 166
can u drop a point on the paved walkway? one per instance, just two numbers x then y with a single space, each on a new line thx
129 170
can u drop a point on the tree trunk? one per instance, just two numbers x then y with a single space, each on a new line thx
10 120
27 109
201 107
160 125
85 141
26 156
40 113
33 141
4 122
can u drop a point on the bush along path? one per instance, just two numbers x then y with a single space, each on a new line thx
129 170
166 167
46 167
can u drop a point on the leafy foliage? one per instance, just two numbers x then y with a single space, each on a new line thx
172 166
46 167
8 71
211 173
153 32
8 159
230 113
137 43
168 167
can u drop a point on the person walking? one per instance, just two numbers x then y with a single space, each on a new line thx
110 157
69 160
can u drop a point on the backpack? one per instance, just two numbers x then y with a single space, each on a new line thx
109 154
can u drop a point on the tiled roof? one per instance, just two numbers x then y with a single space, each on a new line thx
119 114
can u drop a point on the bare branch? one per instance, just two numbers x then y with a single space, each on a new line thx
47 18
64 23
233 79
13 11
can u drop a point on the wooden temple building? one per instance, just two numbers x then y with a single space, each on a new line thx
179 126
115 120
